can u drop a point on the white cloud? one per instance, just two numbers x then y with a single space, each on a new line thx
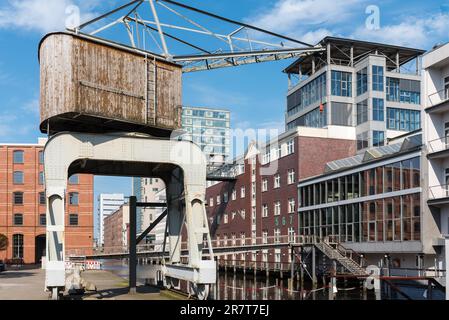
32 106
423 31
41 15
304 19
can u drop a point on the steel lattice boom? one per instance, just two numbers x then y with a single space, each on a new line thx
170 28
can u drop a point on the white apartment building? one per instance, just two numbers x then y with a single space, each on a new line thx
107 204
436 139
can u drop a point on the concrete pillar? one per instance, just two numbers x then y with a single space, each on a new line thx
398 67
313 65
328 51
352 56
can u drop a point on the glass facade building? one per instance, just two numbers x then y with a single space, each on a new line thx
373 204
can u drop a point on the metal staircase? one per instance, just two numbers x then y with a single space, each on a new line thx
345 257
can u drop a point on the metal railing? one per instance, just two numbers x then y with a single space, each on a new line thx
439 144
438 192
439 97
254 265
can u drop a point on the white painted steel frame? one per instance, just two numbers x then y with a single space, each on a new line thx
186 187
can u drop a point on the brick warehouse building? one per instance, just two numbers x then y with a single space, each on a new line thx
22 204
262 201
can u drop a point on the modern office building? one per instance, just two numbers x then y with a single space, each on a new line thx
210 129
23 205
107 204
358 84
436 140
371 203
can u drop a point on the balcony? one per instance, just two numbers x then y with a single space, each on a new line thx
438 102
438 195
438 148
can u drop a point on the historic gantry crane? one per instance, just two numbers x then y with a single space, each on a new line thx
110 109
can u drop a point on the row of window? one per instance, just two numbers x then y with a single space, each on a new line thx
278 152
18 198
384 179
403 119
205 123
19 157
18 219
291 207
317 118
312 92
206 113
389 219
291 179
19 178
403 90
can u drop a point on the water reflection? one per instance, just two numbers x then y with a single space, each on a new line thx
232 286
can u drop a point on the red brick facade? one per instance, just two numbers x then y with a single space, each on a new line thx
32 228
308 159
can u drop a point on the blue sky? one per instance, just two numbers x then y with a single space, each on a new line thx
255 94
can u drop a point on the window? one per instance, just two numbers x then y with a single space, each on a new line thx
211 202
18 157
264 185
18 219
378 78
403 119
362 81
277 208
291 147
41 178
234 194
41 157
73 198
291 235
18 197
291 176
291 205
317 118
42 198
42 219
17 246
277 181
18 177
264 236
242 192
225 197
341 84
73 219
378 109
75 179
243 214
225 218
218 200
378 138
277 235
264 211
362 112
312 92
403 90
362 141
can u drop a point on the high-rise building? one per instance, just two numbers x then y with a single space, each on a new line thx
23 216
210 129
359 84
107 204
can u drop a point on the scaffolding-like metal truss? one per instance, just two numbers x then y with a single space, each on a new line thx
243 43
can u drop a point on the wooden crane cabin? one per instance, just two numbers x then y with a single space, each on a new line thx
92 85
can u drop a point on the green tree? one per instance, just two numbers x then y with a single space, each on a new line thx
3 242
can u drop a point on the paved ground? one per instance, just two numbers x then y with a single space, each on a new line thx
27 283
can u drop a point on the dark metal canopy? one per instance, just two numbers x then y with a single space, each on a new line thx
341 53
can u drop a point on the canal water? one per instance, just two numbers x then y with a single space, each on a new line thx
232 286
